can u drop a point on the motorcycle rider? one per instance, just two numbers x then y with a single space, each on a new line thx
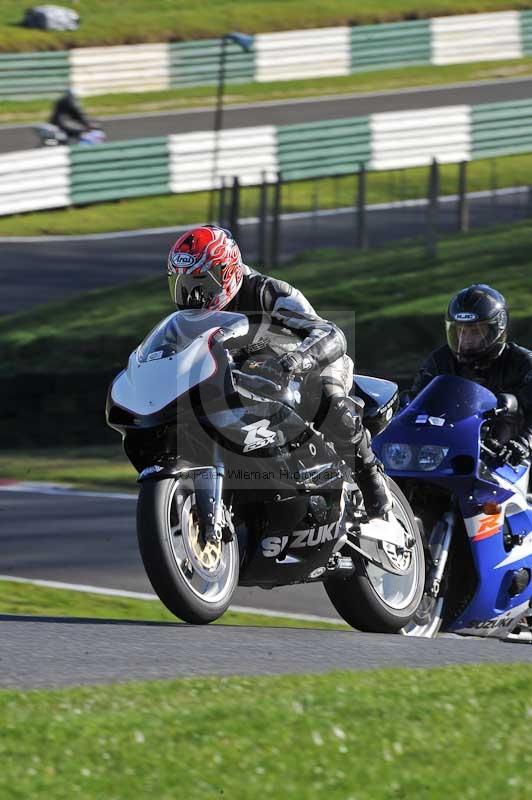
205 270
476 324
69 116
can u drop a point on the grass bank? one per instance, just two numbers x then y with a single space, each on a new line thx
107 23
27 599
396 295
105 468
20 111
369 735
174 210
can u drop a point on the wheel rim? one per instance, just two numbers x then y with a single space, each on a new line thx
208 569
397 591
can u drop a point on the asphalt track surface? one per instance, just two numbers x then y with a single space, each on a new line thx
92 540
21 137
53 652
35 272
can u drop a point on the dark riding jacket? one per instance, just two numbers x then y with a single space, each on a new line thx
510 372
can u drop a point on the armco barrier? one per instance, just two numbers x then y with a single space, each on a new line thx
302 54
526 32
136 168
289 55
415 138
197 63
391 45
134 68
476 37
34 179
501 128
323 148
25 75
191 162
247 153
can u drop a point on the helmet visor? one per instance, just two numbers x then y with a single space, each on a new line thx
195 291
470 340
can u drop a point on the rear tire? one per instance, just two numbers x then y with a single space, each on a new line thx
194 580
361 599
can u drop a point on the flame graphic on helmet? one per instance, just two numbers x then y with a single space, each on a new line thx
211 249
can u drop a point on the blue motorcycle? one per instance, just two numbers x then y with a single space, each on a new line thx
473 508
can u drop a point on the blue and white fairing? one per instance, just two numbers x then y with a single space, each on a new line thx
174 358
437 439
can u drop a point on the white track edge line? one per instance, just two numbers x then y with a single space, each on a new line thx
64 490
99 590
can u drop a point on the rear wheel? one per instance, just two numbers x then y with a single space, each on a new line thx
195 579
378 601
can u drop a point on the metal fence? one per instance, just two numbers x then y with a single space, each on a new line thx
343 211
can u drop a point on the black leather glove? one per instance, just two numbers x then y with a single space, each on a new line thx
516 451
281 369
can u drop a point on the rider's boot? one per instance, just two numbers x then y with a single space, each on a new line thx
372 483
353 443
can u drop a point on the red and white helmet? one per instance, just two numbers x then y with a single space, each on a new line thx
205 268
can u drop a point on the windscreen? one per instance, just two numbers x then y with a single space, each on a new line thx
177 331
451 398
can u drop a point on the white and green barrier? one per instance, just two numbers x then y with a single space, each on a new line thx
288 55
190 162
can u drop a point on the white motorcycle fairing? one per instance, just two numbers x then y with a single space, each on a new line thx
154 379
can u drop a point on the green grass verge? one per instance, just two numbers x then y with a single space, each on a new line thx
381 735
396 295
106 22
105 468
19 111
27 599
172 210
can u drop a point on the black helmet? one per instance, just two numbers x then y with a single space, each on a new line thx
476 324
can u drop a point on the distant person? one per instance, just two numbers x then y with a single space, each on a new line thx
69 116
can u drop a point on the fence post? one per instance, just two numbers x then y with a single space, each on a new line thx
463 203
432 210
222 202
263 221
276 221
234 213
493 181
362 228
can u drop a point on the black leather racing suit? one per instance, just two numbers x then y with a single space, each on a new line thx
266 300
510 372
69 116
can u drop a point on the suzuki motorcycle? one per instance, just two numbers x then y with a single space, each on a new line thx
444 451
238 487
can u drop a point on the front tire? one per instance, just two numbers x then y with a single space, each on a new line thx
377 601
195 580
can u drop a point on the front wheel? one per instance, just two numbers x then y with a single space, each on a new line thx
194 579
377 601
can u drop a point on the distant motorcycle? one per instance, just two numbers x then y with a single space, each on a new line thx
52 136
237 487
474 507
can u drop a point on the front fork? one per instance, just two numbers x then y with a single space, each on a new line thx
439 546
214 518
